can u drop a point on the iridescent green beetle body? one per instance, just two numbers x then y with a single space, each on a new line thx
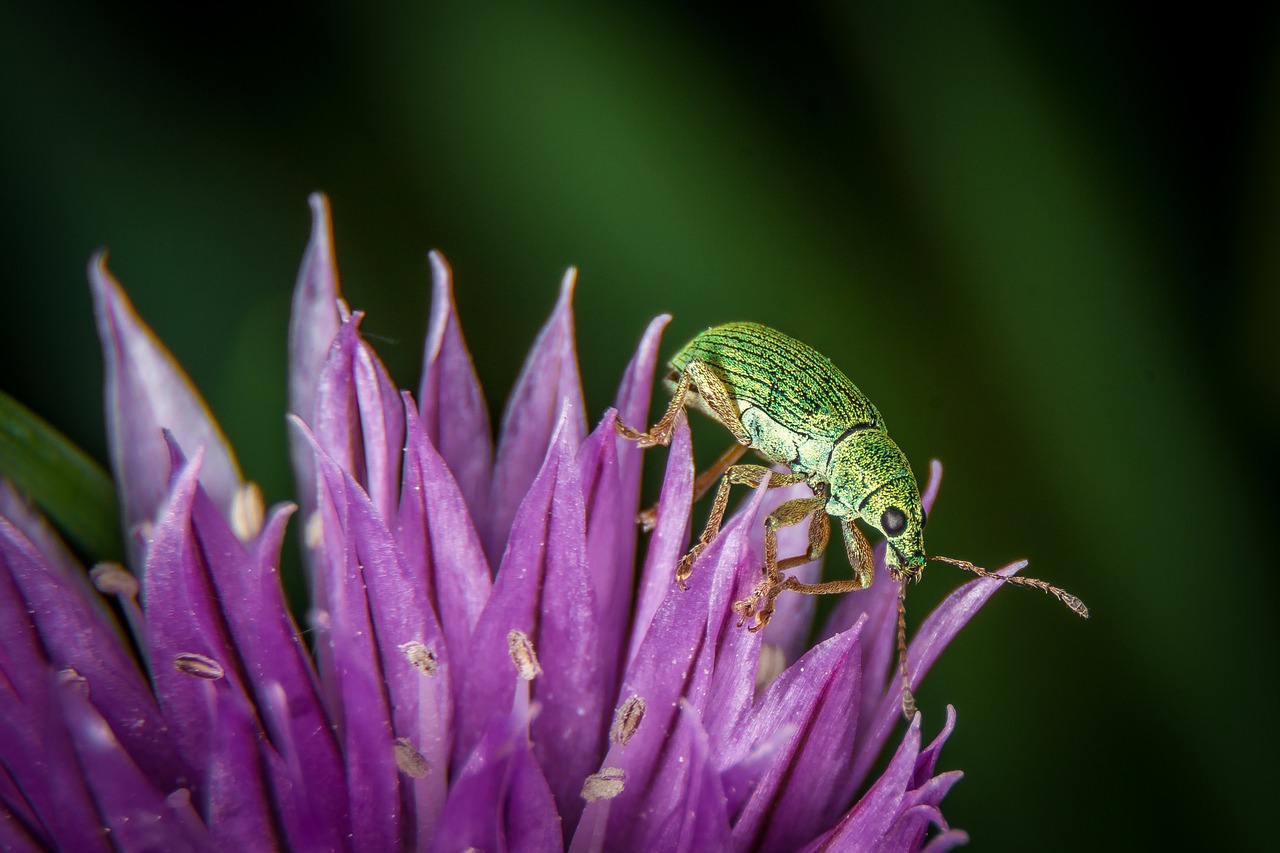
802 412
792 406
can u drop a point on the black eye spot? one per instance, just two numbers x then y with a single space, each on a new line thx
893 521
924 517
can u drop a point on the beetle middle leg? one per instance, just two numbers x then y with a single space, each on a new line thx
761 601
744 475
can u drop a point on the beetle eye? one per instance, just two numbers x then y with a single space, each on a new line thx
893 521
924 517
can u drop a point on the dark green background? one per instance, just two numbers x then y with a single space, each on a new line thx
1043 242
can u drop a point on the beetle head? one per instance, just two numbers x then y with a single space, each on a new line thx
871 478
894 509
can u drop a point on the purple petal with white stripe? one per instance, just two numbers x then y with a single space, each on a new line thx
450 401
147 392
549 379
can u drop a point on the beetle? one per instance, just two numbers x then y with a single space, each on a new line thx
795 408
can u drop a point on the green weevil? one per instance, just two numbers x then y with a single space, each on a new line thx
791 405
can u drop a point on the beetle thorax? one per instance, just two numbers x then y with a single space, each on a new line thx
861 464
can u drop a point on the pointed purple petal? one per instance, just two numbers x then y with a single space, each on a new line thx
435 530
543 590
611 542
146 391
937 630
236 804
267 642
632 406
360 417
700 821
74 633
500 799
450 401
314 320
927 762
415 658
670 533
816 701
919 812
548 379
37 756
16 836
18 512
312 809
354 667
949 840
693 650
184 618
138 815
867 822
313 324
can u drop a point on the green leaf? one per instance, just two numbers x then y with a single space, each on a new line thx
72 490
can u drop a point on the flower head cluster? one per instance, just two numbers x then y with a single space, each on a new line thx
486 672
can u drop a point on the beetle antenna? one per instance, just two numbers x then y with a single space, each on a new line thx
1076 605
908 700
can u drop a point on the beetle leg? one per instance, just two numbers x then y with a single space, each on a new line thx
660 433
744 475
764 595
861 557
789 513
701 486
715 398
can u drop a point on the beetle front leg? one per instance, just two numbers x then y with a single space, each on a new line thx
660 433
861 557
715 397
745 475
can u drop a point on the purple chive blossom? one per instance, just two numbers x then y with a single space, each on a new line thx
483 669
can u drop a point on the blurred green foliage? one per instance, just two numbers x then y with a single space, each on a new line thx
1042 240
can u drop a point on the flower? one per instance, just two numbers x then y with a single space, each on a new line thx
486 673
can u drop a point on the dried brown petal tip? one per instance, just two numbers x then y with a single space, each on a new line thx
422 657
605 785
772 663
409 760
313 531
626 720
198 666
525 659
248 510
114 579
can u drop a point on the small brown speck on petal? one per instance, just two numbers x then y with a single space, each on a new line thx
114 579
422 657
409 760
626 719
198 666
525 659
605 785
